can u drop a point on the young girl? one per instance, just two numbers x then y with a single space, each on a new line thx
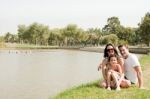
114 74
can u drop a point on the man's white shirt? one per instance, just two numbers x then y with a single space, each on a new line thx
129 63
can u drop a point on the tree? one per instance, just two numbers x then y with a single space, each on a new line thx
34 34
113 25
2 41
127 34
23 35
112 38
98 34
69 33
144 27
10 37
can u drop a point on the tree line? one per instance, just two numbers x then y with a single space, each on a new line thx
72 35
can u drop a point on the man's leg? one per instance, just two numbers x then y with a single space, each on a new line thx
125 83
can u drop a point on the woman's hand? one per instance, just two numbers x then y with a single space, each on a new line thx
100 66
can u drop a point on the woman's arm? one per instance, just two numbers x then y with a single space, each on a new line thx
102 64
103 67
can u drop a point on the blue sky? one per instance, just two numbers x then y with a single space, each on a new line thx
59 13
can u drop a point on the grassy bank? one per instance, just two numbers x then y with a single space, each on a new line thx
92 91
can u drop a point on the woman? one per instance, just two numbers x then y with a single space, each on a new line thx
108 51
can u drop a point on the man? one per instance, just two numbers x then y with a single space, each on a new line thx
132 66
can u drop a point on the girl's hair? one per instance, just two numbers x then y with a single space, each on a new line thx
111 57
105 50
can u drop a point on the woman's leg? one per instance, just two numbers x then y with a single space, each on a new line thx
103 84
108 80
104 72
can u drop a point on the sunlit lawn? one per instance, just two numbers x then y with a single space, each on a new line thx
92 91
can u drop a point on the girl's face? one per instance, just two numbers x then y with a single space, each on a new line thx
113 60
110 50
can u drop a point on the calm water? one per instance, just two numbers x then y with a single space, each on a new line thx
41 74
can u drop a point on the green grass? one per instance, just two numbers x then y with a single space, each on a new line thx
145 61
92 91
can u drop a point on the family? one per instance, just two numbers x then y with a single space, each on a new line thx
120 71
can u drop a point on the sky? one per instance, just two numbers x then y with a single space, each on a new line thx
59 13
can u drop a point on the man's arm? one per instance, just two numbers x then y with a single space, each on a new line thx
121 62
139 75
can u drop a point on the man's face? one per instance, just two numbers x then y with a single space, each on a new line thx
124 51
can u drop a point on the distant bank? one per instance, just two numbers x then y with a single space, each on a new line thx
99 49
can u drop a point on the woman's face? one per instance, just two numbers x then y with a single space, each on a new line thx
110 50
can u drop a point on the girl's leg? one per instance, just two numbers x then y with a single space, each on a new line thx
115 78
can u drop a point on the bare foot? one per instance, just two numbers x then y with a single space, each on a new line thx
108 88
118 89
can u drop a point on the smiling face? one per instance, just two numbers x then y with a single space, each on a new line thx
110 50
113 60
124 51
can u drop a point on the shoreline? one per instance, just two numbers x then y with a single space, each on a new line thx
99 49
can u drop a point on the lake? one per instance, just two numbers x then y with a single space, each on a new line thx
39 74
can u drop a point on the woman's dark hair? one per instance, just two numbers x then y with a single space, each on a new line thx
105 50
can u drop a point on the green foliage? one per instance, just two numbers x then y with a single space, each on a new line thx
112 32
95 36
34 34
22 33
2 44
1 39
112 26
10 37
144 27
72 35
112 38
123 42
128 35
